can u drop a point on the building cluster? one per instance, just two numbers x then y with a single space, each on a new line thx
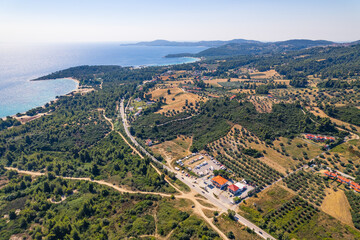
319 138
223 183
341 179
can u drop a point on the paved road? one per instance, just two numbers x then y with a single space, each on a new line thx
189 181
341 173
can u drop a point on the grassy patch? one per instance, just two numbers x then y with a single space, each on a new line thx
240 232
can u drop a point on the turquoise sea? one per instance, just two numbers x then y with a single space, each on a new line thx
21 63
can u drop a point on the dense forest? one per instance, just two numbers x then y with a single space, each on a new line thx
217 116
74 140
325 62
8 122
347 114
254 47
55 208
94 75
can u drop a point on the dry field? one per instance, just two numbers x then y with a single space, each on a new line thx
262 104
226 225
337 205
313 149
176 99
268 74
208 213
173 150
217 80
271 198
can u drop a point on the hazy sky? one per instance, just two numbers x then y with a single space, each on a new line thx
136 20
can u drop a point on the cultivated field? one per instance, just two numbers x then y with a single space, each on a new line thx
280 155
173 150
345 157
215 82
337 205
267 74
279 208
269 199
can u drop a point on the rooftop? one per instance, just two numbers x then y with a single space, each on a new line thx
220 180
233 187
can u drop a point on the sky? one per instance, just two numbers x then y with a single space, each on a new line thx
185 20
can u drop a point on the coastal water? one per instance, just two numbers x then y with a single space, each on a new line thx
21 63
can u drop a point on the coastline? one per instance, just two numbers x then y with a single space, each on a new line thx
78 90
196 59
26 118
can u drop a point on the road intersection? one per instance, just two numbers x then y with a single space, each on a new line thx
190 182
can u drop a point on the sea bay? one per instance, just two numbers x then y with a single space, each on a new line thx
21 63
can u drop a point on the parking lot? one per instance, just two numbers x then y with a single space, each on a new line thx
203 166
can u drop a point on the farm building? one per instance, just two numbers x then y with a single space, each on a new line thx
219 182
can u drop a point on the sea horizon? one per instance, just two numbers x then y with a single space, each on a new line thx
21 63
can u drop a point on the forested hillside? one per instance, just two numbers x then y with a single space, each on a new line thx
325 62
257 116
217 116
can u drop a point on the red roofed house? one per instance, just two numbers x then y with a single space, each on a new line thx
233 189
148 142
342 179
219 181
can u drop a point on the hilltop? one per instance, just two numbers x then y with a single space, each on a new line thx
215 43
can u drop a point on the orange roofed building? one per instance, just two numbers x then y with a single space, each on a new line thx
341 179
219 181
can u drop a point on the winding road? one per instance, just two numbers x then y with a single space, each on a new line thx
195 188
195 195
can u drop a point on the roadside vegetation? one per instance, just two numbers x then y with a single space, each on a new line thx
249 111
58 209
